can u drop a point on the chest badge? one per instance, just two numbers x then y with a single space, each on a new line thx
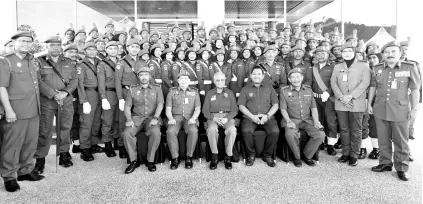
250 94
19 64
380 71
226 95
290 94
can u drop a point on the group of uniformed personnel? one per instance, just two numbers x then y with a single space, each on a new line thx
113 86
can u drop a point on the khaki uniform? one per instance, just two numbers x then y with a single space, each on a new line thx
183 104
305 67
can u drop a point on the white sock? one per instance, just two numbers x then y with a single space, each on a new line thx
76 142
375 143
332 141
363 143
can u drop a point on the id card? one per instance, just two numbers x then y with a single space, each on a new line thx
186 101
394 84
344 77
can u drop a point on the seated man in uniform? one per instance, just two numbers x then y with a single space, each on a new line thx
220 109
259 102
146 102
182 109
296 102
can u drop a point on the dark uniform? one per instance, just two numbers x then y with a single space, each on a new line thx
207 74
176 68
305 68
298 105
259 100
143 102
225 69
183 104
49 106
275 75
238 76
391 109
194 73
166 76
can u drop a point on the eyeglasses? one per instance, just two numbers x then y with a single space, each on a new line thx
219 80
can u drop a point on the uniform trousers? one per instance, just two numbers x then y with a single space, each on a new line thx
293 136
213 136
90 123
172 136
271 128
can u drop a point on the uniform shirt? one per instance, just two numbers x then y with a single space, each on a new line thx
144 101
194 73
20 77
66 68
106 79
125 75
420 75
325 73
155 69
392 103
225 69
166 73
183 103
176 68
258 100
305 68
220 102
249 64
297 104
352 81
274 75
238 75
87 78
206 73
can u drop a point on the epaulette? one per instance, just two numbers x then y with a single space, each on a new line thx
7 55
415 62
285 87
409 62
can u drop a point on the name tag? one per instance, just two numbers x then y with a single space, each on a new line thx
394 84
47 67
344 77
213 98
402 74
186 101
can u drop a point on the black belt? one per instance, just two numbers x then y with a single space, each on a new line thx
222 112
126 86
91 89
111 89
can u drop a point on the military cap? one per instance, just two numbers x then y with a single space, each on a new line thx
295 70
325 39
183 72
89 44
94 28
258 45
201 26
406 42
109 22
221 25
7 42
335 32
212 30
53 39
144 29
187 29
269 47
347 45
287 26
337 44
321 49
171 41
352 36
372 52
98 40
167 50
70 28
22 34
393 43
313 37
297 47
166 32
231 24
132 41
301 37
155 32
71 46
175 26
81 30
247 47
191 49
218 38
143 68
234 48
133 26
202 50
155 46
231 34
180 49
143 52
242 32
111 43
220 51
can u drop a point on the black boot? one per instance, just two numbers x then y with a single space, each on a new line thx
76 149
96 149
363 153
86 155
64 160
115 144
214 161
108 149
122 152
331 150
374 154
39 166
188 163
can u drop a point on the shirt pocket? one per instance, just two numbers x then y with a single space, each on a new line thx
402 83
176 101
306 100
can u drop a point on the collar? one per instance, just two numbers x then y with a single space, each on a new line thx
88 61
180 89
148 86
252 85
223 90
301 88
59 58
397 65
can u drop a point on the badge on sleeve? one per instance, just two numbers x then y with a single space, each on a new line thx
290 93
19 64
151 67
198 67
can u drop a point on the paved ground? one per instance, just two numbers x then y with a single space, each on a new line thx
103 181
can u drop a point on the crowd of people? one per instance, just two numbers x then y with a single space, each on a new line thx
107 88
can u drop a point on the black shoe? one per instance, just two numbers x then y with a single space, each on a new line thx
188 163
39 166
310 162
363 153
151 166
76 149
115 144
410 158
353 161
64 160
382 168
174 163
11 185
403 175
213 164
228 163
297 162
122 152
270 162
108 149
30 177
374 154
322 146
343 159
331 150
69 155
86 155
250 161
96 149
338 145
235 158
132 166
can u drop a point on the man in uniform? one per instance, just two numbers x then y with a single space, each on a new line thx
146 104
61 78
9 46
393 79
298 61
259 102
274 72
182 109
19 95
89 100
323 95
107 91
296 102
126 77
220 108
